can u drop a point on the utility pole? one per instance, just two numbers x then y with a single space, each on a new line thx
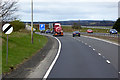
32 21
119 9
79 25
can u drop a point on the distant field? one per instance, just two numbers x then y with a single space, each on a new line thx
69 29
20 48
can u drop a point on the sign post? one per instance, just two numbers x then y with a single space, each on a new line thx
7 29
50 25
7 51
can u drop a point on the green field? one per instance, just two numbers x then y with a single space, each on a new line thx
69 29
20 48
0 53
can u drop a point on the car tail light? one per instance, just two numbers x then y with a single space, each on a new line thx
55 33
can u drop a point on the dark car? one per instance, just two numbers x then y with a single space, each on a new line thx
48 31
42 31
76 33
89 31
113 31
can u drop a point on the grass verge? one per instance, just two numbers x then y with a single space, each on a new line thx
69 29
112 39
0 53
20 48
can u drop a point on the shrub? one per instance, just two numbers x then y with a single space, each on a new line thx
76 26
117 25
17 25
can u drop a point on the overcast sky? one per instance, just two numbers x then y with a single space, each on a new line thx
55 10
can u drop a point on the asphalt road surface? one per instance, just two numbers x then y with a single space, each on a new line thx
85 58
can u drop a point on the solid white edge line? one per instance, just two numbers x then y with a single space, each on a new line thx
54 61
108 61
101 40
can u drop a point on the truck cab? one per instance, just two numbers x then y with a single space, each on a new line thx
57 29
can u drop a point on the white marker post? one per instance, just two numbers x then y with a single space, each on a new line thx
7 29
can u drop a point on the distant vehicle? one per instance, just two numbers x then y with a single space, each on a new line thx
29 28
42 31
57 29
113 31
48 31
52 31
89 31
76 33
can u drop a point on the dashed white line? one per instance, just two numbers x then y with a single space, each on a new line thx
89 46
99 54
108 61
85 43
93 49
103 56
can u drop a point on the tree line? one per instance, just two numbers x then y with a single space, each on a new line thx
8 8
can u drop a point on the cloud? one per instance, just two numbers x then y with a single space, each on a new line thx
48 10
70 0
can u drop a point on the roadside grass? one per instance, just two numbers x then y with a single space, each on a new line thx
69 29
113 39
20 48
0 53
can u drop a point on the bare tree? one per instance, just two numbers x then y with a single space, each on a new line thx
7 10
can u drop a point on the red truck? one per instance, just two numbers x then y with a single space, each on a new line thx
57 29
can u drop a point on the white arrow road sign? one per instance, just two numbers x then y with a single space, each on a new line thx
7 28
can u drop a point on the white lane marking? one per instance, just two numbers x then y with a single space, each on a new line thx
108 61
99 54
119 72
85 43
54 61
89 46
93 49
101 40
104 57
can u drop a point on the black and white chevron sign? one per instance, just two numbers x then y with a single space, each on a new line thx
7 28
